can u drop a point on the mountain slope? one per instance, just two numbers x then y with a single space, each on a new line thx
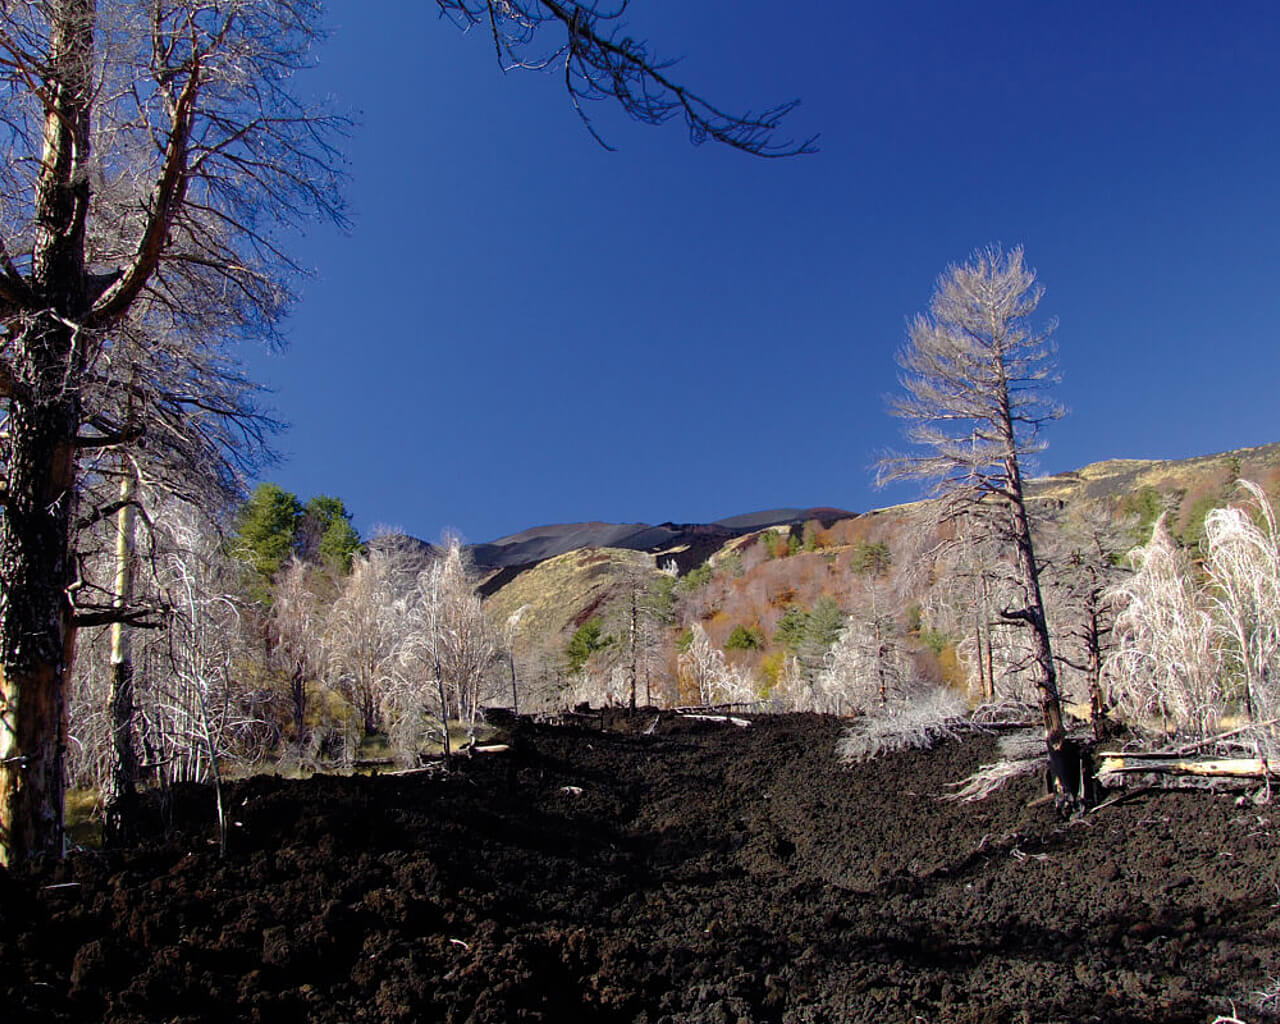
539 543
756 580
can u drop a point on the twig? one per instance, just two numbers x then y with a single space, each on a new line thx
1210 740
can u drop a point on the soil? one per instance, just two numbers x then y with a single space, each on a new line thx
698 873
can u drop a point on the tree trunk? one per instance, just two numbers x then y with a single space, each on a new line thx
634 639
444 702
121 796
298 698
1033 612
1093 666
37 629
37 632
1046 678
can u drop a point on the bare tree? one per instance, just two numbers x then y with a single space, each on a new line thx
197 712
364 633
152 149
1242 559
1165 665
294 629
706 670
507 647
638 623
449 645
979 572
866 669
975 373
1194 647
1084 563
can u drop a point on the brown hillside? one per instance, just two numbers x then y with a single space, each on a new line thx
758 577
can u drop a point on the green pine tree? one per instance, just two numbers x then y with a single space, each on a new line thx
267 530
326 534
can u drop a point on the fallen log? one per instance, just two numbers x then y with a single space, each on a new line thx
742 723
1179 764
437 762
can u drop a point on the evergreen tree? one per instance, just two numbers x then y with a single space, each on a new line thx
267 530
588 639
325 533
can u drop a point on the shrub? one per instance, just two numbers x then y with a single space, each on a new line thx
585 641
915 725
936 640
745 638
697 577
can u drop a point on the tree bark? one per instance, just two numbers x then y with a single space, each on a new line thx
634 638
37 629
124 769
1046 678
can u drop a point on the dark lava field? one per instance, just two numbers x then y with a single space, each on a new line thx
695 873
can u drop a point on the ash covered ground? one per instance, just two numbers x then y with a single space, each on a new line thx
698 873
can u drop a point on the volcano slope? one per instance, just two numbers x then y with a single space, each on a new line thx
697 873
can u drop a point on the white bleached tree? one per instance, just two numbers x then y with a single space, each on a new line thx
1165 666
1242 546
449 648
866 669
975 375
365 631
704 669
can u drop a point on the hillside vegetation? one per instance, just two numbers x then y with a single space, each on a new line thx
767 583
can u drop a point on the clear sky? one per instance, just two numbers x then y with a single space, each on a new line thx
522 328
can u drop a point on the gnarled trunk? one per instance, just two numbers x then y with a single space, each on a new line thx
37 631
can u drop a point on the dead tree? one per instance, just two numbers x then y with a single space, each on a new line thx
151 152
599 61
1165 666
1083 565
293 628
1242 558
447 649
975 374
366 627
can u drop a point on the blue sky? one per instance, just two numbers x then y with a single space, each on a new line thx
521 328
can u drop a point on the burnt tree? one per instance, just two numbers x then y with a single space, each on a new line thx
975 377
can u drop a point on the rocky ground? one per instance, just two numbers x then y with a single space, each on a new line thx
700 872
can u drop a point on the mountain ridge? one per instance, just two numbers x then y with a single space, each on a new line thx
690 543
540 543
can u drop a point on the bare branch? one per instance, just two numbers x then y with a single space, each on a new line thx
600 62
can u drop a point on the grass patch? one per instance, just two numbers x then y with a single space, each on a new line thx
460 737
82 818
